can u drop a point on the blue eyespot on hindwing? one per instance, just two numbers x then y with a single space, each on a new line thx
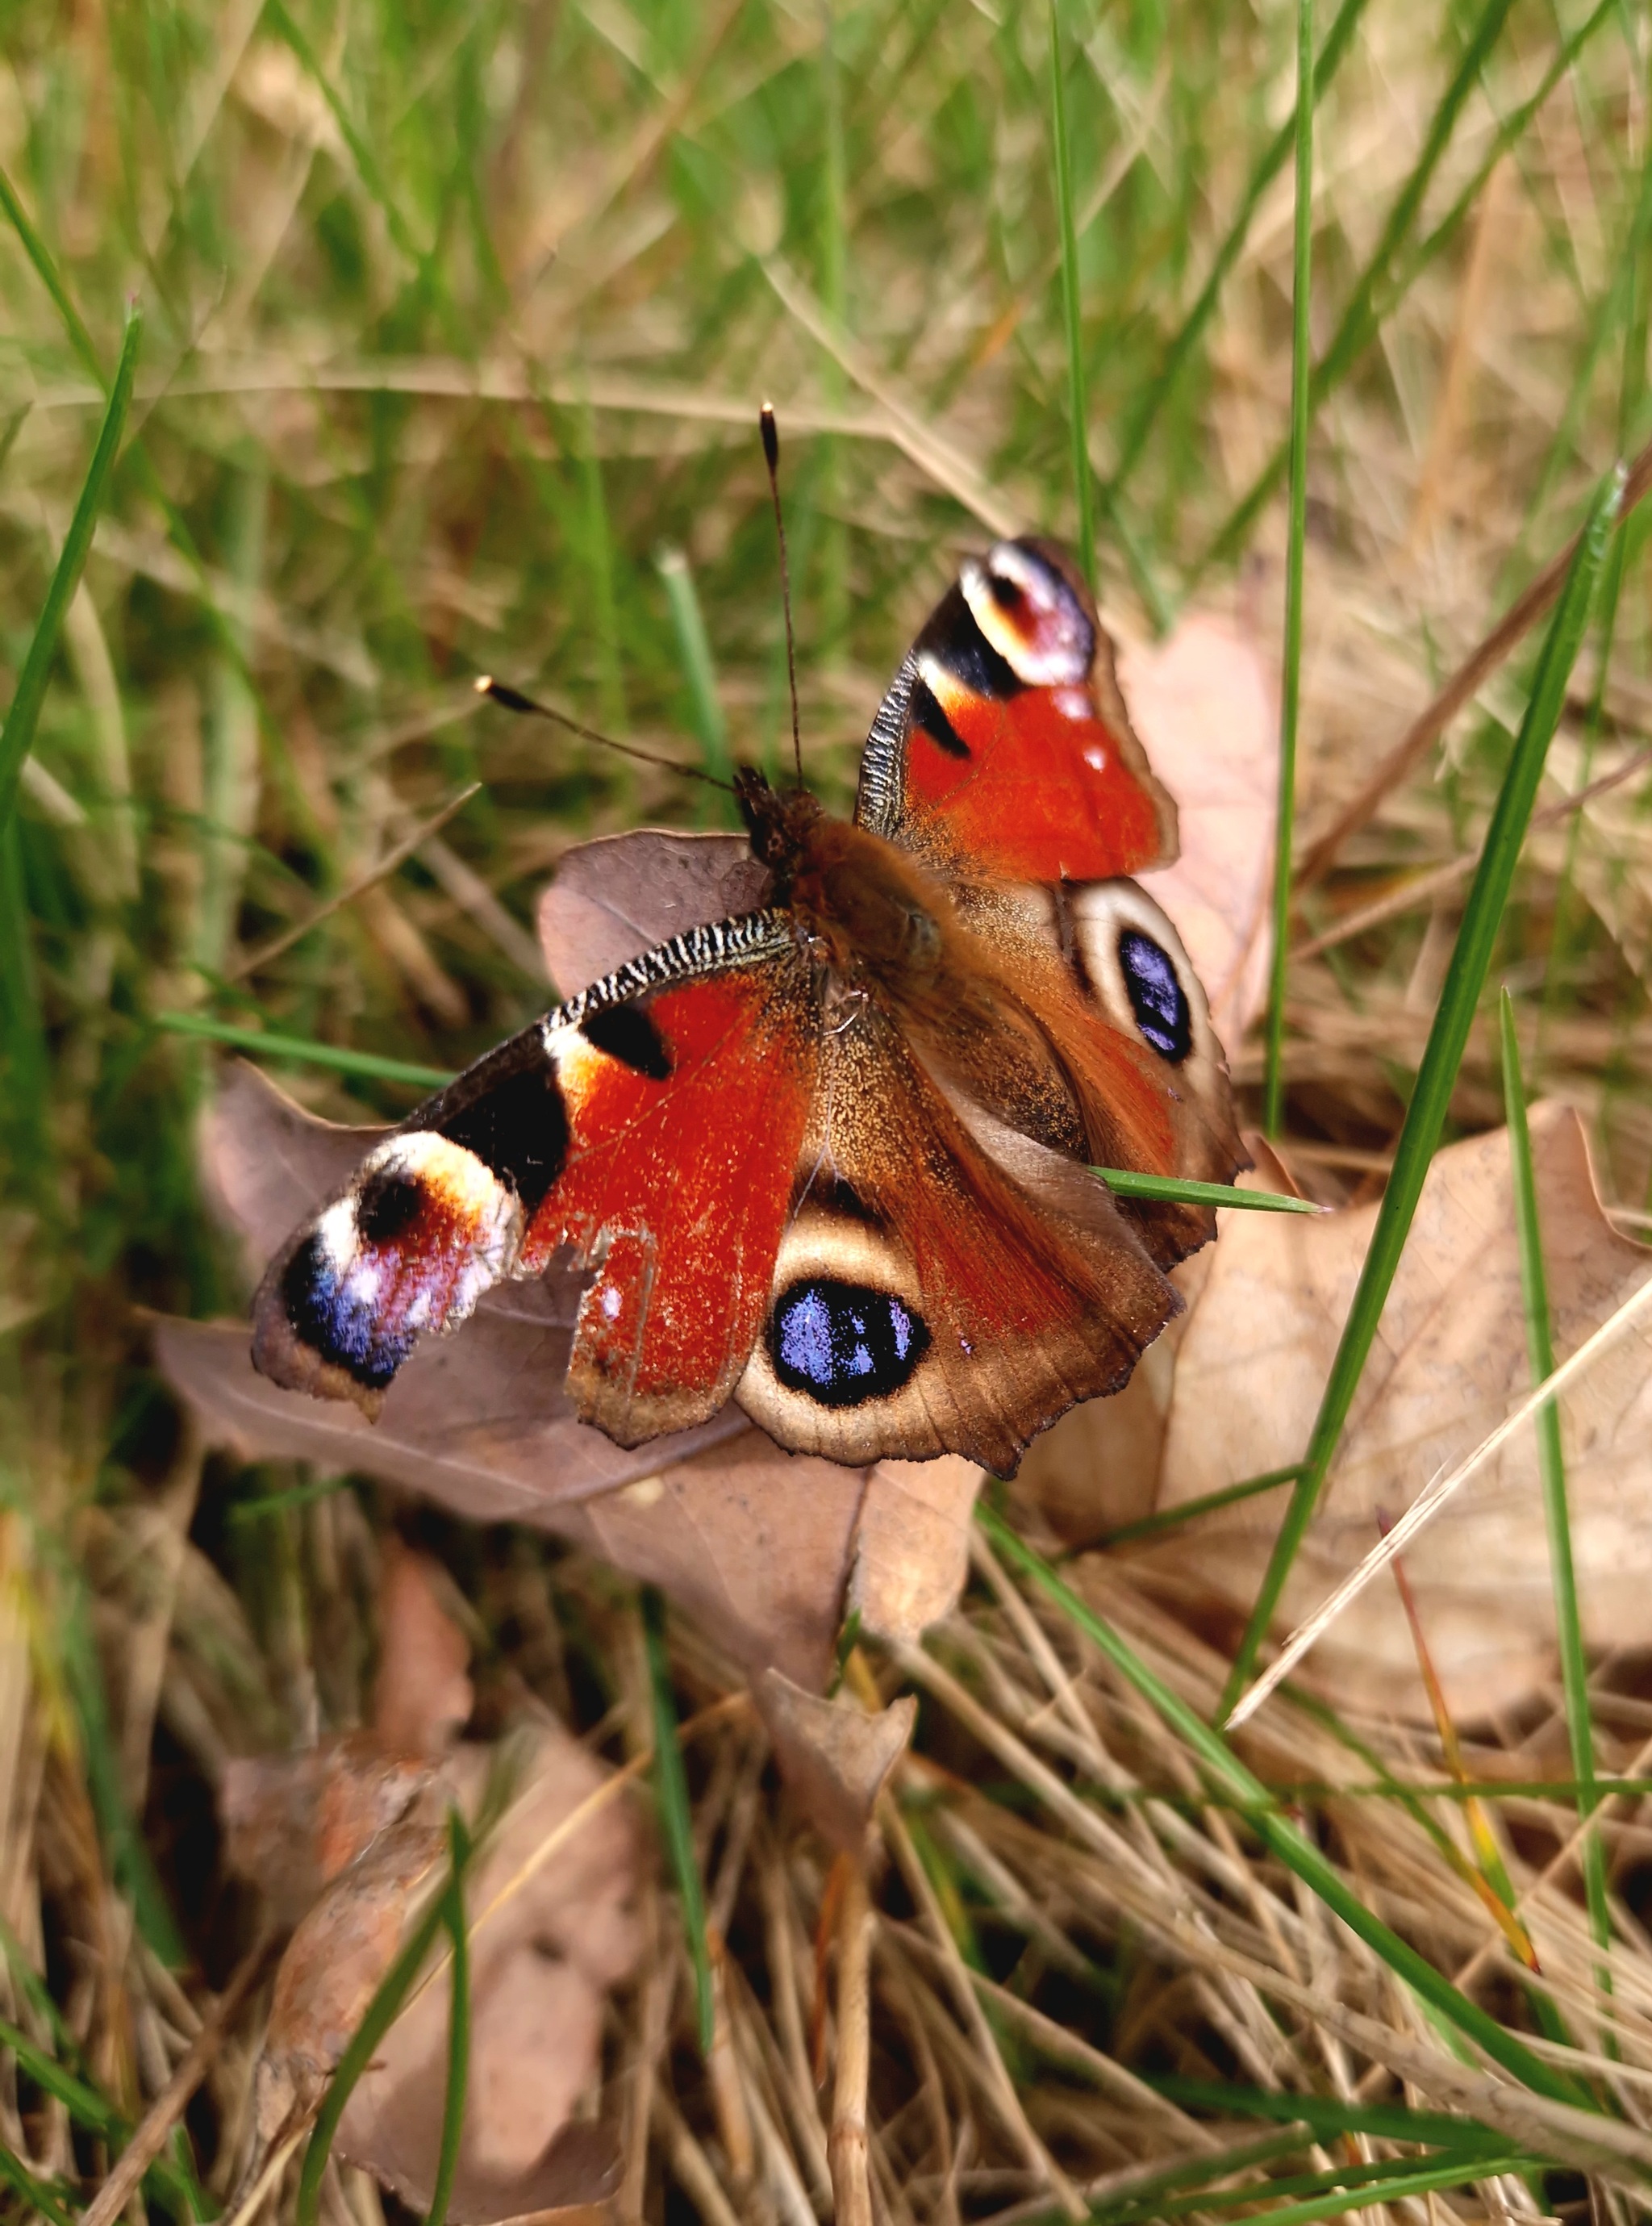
843 1343
1156 995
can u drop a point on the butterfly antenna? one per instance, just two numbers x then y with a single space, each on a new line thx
771 457
512 699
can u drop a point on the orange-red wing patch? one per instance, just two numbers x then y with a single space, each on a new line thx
1004 746
676 1187
1044 794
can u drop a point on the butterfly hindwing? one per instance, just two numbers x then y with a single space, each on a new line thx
1004 751
944 1284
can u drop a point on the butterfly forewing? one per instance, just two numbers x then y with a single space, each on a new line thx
648 1128
1004 750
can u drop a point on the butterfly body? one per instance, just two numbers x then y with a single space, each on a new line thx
831 1155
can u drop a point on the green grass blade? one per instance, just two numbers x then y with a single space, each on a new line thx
17 735
92 2110
1550 1465
25 1054
1385 280
1422 2179
676 1823
1127 1183
694 648
381 2013
133 1865
1635 285
1077 401
452 2108
1292 1847
1160 389
45 268
1171 1518
1328 2192
306 1054
1325 2116
1296 541
598 537
826 527
84 2104
1359 320
34 2192
277 1502
1437 1075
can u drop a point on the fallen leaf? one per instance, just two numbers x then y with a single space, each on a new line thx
913 1553
547 1945
624 893
332 1967
1205 706
835 1756
292 1823
422 1695
1449 1362
350 1839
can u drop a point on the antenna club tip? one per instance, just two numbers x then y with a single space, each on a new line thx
771 433
483 684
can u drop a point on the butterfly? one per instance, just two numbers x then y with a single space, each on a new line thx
827 1149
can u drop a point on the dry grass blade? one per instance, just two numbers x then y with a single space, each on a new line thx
847 2141
168 2108
1460 689
1428 889
1435 1495
391 862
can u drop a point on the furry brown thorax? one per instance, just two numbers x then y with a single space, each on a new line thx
867 907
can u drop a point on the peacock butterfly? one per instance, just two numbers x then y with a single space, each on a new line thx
829 1156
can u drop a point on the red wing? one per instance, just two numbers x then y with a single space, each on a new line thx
1004 747
650 1127
678 1185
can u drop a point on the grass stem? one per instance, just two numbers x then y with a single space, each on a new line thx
1077 400
17 735
1218 1761
1551 1464
1296 540
1437 1075
675 1817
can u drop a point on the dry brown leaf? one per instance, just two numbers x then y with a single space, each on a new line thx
913 1553
422 1696
1449 1362
292 1823
836 1757
545 1950
356 1830
623 893
547 1945
1204 704
332 1965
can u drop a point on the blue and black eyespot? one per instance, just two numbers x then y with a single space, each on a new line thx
337 1323
1156 995
843 1343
